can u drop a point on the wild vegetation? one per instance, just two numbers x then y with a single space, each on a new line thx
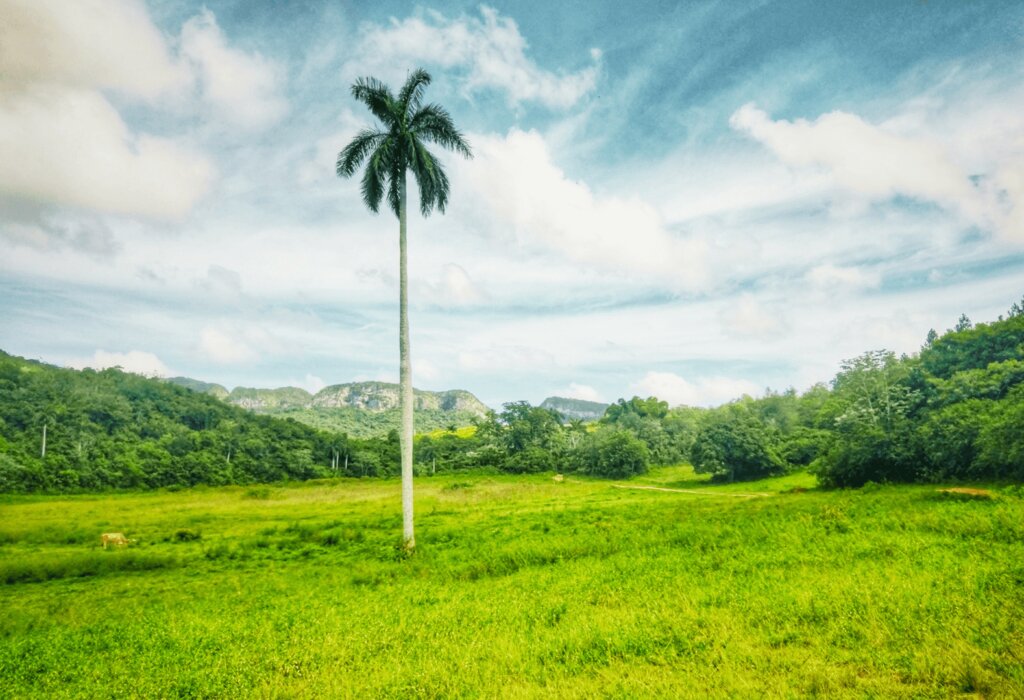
580 588
953 411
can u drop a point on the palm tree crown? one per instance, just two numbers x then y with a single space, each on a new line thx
398 145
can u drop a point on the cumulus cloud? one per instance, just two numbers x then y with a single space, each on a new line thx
63 142
488 52
861 156
879 163
580 391
708 391
243 88
70 146
136 361
523 193
748 317
223 347
453 287
86 44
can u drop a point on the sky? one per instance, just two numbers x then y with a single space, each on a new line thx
692 200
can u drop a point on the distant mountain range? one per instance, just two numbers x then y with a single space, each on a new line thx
365 409
575 409
361 409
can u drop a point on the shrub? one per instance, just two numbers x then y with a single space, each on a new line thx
735 446
614 454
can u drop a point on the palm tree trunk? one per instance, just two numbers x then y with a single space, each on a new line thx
405 376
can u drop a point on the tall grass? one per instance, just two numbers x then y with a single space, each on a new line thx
521 587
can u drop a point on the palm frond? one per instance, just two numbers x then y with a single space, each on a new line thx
377 96
396 181
432 181
374 176
432 123
411 94
353 154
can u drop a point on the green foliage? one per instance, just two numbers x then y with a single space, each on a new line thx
112 429
735 445
803 445
398 144
650 407
974 347
614 454
1000 442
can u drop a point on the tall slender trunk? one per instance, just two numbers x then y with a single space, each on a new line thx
43 452
405 375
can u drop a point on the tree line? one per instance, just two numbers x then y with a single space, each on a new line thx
954 410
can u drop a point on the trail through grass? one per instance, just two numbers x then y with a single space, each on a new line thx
521 587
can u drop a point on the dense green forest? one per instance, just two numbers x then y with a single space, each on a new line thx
955 410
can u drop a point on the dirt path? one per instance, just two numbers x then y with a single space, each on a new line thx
694 492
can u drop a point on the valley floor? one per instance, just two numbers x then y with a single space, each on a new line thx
521 587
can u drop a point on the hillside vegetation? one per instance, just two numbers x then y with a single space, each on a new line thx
584 588
953 411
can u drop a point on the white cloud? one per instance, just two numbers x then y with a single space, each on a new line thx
453 288
523 193
61 140
880 162
580 391
49 234
709 391
490 52
243 88
310 383
510 358
70 146
831 277
226 348
861 156
748 317
137 361
424 371
85 44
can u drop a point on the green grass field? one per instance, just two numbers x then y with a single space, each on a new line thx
521 587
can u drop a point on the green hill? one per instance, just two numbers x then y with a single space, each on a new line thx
63 429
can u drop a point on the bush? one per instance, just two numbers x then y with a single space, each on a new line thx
529 460
948 439
735 446
1000 445
614 454
804 445
869 454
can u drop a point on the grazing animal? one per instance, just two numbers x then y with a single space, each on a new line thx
558 477
115 538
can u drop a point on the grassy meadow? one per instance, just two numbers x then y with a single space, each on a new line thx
521 586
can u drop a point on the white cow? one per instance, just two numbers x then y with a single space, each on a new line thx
115 538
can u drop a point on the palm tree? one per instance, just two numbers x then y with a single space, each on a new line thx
398 145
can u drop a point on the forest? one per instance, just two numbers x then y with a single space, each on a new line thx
953 411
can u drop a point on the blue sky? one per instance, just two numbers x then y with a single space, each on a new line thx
692 200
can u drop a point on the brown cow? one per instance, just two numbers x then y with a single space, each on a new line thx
115 538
